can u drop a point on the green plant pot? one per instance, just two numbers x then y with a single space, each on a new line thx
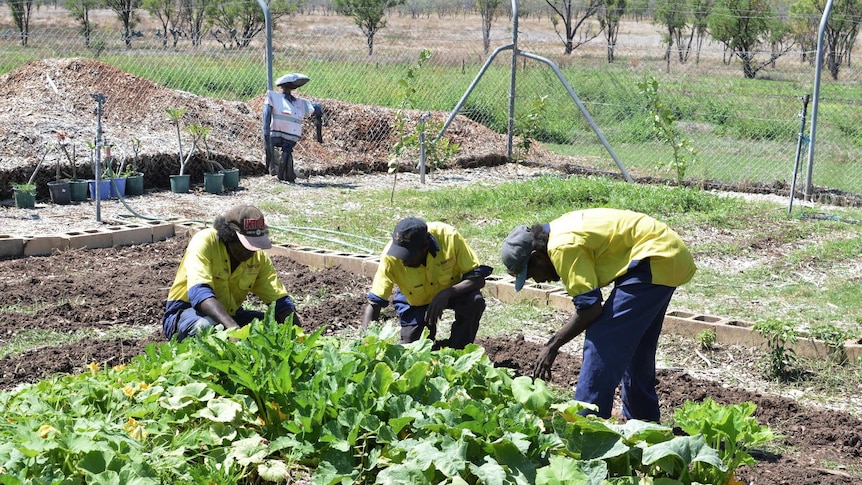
135 184
213 182
61 192
78 190
231 178
24 199
180 183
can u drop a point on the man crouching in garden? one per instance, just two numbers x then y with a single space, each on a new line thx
220 267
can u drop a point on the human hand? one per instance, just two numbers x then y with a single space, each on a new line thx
542 369
436 307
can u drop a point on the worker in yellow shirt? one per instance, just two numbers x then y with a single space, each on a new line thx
430 268
221 266
587 250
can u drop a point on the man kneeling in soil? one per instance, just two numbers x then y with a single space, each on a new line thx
220 267
433 269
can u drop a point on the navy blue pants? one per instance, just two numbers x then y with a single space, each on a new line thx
468 311
620 347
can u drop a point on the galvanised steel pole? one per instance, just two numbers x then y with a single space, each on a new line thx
809 184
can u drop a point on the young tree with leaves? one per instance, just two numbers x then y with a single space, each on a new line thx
368 15
574 16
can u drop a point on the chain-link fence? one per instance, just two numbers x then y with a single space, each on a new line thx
742 131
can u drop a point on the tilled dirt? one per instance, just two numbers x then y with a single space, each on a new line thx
91 290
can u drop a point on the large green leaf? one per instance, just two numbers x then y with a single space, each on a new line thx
534 395
220 410
675 456
563 470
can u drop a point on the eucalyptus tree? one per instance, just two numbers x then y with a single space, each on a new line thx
841 29
243 20
673 17
700 10
574 15
165 11
804 21
127 13
488 10
609 16
21 11
368 15
748 28
80 11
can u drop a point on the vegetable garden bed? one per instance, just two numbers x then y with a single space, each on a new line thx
86 294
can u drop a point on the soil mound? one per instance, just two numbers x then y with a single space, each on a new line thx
44 97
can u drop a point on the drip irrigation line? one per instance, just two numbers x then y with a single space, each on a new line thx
299 230
329 231
323 238
829 217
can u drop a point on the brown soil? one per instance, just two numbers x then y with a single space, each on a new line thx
93 290
90 291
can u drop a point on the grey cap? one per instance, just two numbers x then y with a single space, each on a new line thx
516 254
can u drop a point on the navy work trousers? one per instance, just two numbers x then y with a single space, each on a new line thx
620 346
468 311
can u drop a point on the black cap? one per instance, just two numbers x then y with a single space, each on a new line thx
408 238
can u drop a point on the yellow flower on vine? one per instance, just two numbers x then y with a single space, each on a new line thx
47 430
93 367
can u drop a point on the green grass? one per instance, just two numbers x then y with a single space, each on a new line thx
743 130
32 339
753 258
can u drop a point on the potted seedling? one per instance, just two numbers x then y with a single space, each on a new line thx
134 177
77 187
213 180
180 182
59 189
25 193
112 172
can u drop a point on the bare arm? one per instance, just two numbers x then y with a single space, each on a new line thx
578 322
213 308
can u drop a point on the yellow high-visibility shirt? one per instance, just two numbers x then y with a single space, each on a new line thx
452 260
205 272
591 248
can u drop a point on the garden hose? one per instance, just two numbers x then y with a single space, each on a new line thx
299 230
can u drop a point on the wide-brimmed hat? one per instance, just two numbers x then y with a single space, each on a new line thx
408 238
292 80
250 227
516 252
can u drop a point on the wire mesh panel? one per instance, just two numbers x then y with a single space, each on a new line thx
742 130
